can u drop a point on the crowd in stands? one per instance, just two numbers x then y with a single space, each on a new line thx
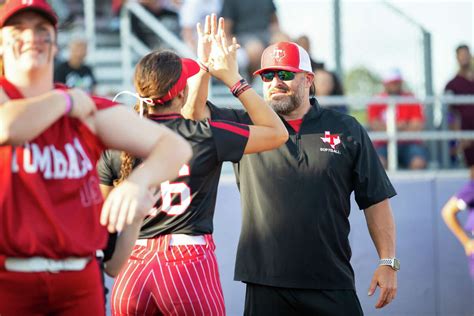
256 31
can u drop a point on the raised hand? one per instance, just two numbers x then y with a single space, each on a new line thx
204 42
223 58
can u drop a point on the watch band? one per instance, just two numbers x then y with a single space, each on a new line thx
394 263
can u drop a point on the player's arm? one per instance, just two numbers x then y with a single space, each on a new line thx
449 213
24 119
125 241
123 248
164 152
268 131
381 226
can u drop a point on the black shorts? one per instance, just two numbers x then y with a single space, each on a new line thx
262 300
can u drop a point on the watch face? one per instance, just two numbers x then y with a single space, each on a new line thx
396 264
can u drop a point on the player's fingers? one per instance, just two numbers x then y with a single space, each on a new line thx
114 211
155 195
132 212
123 214
213 24
220 27
207 25
104 214
199 29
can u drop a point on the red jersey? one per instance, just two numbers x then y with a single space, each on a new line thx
403 112
50 200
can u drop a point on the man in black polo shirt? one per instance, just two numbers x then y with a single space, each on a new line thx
294 253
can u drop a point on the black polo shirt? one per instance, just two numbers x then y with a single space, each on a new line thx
296 201
187 204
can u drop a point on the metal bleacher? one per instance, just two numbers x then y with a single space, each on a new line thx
113 54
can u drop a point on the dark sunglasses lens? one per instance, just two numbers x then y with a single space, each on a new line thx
267 76
286 75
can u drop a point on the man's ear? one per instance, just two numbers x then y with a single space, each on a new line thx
309 79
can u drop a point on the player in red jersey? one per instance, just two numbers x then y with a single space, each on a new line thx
173 268
50 202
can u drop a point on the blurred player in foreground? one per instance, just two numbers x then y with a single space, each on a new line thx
50 203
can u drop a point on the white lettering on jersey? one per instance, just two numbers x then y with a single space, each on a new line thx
60 163
70 162
28 161
42 160
74 171
15 167
86 163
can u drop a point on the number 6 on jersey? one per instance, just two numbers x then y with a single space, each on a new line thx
169 189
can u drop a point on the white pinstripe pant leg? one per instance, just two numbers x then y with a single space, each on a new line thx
169 280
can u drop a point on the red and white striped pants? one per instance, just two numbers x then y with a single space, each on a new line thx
160 279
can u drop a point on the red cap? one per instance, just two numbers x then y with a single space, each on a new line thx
12 7
189 69
285 56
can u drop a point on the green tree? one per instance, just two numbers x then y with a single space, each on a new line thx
361 82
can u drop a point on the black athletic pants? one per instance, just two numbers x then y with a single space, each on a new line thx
262 300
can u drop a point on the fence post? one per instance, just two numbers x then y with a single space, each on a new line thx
89 17
125 35
392 150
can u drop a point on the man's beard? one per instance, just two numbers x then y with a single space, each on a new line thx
288 104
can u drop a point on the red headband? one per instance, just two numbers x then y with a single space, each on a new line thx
188 69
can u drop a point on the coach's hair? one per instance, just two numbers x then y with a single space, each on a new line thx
155 75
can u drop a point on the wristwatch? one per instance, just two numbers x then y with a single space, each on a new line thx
394 263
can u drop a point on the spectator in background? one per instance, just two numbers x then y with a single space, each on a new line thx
304 42
193 12
327 84
409 118
74 72
279 36
253 23
164 10
462 115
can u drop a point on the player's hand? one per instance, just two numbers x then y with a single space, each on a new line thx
82 104
204 41
223 59
126 203
386 279
469 247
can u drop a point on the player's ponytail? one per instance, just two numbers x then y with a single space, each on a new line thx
155 74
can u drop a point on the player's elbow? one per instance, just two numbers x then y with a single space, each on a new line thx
281 136
449 210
